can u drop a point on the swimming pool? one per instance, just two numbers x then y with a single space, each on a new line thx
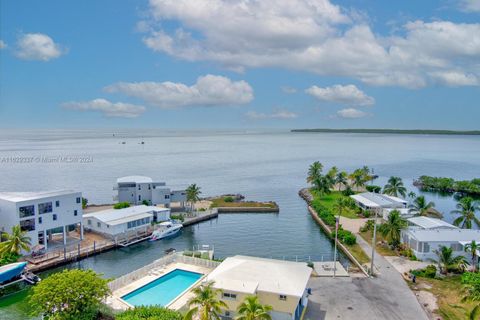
163 290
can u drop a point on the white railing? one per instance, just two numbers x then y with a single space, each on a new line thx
142 272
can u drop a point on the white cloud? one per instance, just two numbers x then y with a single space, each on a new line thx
279 114
314 36
348 95
37 46
3 45
107 108
209 90
455 79
288 90
470 5
351 113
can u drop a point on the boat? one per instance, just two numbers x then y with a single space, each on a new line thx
165 229
12 270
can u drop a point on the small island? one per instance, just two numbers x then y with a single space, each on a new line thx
392 131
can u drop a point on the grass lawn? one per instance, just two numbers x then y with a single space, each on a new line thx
328 200
358 253
383 250
220 202
449 292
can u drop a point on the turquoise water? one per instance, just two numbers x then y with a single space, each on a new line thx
163 290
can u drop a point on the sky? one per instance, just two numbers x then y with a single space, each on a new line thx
224 64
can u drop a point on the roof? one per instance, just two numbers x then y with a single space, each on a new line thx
25 196
119 216
134 179
251 274
376 200
430 223
444 235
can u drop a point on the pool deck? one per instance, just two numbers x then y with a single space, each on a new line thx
115 299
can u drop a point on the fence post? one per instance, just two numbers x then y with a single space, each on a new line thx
64 253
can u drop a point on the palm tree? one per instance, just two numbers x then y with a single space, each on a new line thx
341 179
473 247
205 303
314 171
395 187
466 208
447 261
252 309
342 204
424 208
15 242
366 174
358 178
392 228
322 184
193 193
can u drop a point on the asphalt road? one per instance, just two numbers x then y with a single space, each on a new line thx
386 296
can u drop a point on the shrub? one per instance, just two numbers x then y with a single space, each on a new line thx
310 264
146 202
228 199
375 189
429 271
149 313
367 226
121 205
348 191
177 217
8 257
345 237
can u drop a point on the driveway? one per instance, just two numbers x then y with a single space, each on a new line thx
386 296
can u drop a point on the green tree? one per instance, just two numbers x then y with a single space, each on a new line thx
15 242
471 285
446 260
395 187
205 304
331 176
466 208
341 179
423 208
252 309
358 178
473 247
321 185
342 204
121 205
392 228
314 171
84 203
193 195
69 295
149 313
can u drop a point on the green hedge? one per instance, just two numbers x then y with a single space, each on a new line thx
428 272
328 218
121 205
375 189
345 237
449 185
149 313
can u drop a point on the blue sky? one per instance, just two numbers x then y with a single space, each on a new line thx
224 64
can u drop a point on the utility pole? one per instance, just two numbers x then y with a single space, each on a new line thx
337 222
374 241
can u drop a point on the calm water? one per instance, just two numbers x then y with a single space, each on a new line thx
260 165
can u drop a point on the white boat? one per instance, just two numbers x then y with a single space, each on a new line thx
165 229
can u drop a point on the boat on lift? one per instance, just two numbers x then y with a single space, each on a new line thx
11 271
165 229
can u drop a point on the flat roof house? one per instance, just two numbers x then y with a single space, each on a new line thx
382 203
43 215
118 222
137 189
280 284
426 235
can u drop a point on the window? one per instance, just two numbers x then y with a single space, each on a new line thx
45 207
79 200
54 217
139 187
27 225
456 247
99 225
75 213
229 296
167 196
283 297
57 203
89 222
227 313
27 211
39 220
149 187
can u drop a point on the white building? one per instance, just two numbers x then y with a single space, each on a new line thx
137 189
426 235
382 203
280 284
43 215
116 222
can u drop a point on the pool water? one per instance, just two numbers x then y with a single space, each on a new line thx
163 290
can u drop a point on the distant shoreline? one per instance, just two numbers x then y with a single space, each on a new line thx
392 131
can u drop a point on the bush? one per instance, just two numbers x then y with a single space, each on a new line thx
8 257
345 237
348 191
310 264
429 271
177 217
367 226
121 205
228 199
149 313
146 202
375 189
